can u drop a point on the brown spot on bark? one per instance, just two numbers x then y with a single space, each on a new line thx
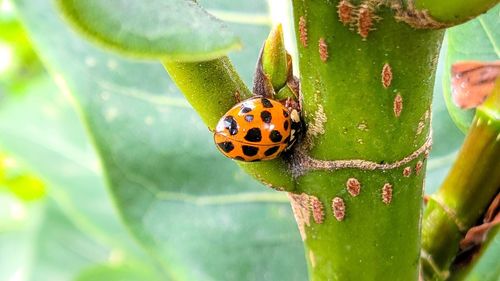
415 18
345 11
387 193
317 209
365 21
353 187
398 105
407 171
426 153
300 208
303 31
386 75
338 208
418 167
323 49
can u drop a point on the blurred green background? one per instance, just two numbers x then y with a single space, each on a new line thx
106 173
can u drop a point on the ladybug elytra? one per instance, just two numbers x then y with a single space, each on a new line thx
256 129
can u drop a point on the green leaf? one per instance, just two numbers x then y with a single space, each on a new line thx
484 265
446 136
194 211
177 30
76 226
478 39
117 272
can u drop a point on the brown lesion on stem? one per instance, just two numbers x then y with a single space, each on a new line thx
362 18
418 167
407 171
345 11
419 19
386 75
387 193
303 31
323 49
301 163
317 209
398 105
301 211
338 208
353 187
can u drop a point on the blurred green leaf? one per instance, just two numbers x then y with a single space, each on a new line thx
447 138
27 187
117 272
177 30
478 39
484 265
18 62
196 212
76 226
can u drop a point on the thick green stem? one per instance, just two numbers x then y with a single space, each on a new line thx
466 192
212 88
453 12
367 83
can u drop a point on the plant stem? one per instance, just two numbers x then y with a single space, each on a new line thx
212 88
453 12
367 88
466 192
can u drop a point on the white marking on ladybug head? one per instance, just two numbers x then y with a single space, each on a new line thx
295 116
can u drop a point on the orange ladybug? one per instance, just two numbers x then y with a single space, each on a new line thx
257 129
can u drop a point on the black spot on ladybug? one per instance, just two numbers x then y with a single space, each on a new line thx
266 103
231 125
239 158
285 113
271 151
253 135
296 126
285 125
249 118
245 109
226 146
250 150
266 116
275 136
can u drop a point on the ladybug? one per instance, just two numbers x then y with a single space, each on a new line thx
257 129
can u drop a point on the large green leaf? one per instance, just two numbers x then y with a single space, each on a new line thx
446 136
195 212
478 39
76 226
168 29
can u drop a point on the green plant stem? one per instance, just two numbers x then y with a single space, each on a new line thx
350 115
212 88
453 12
465 194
